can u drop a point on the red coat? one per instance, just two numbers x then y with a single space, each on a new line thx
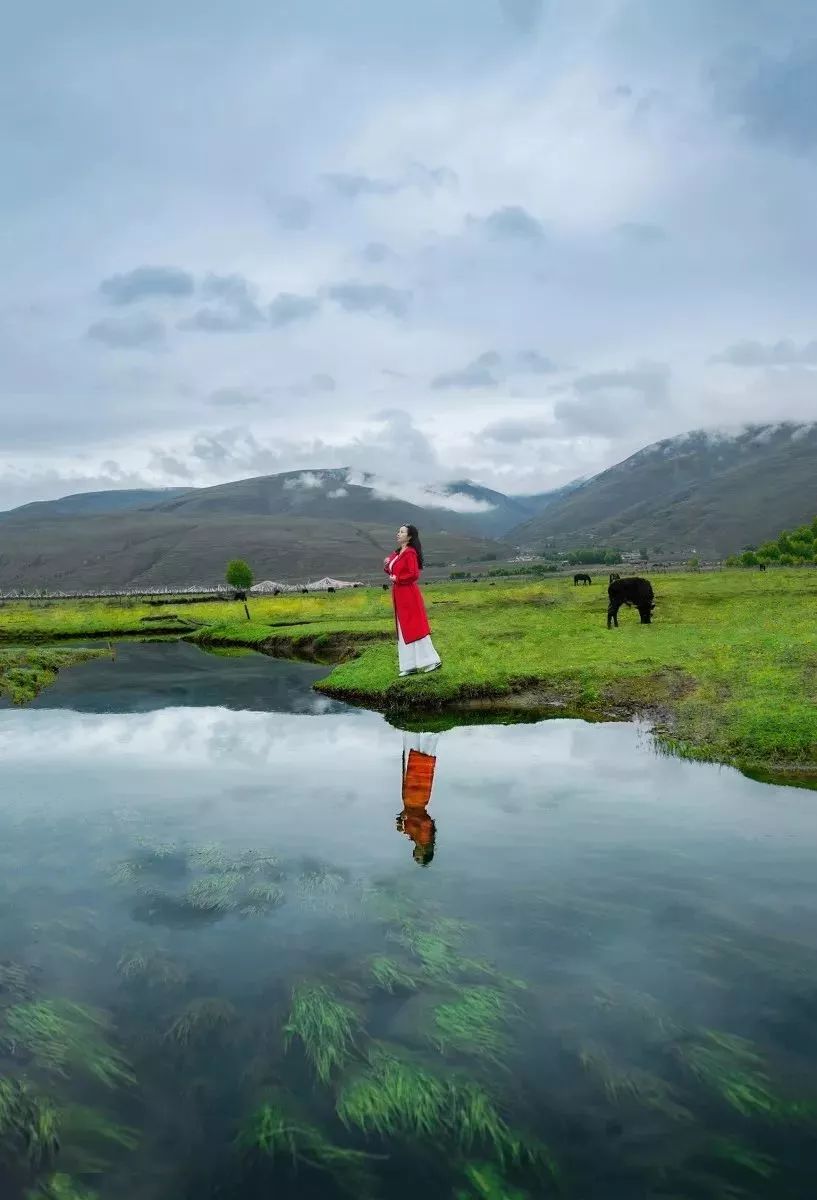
409 609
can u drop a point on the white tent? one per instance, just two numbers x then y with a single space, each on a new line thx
323 585
269 586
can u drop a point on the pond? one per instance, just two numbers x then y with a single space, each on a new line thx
253 943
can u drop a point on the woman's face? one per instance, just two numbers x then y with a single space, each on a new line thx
402 536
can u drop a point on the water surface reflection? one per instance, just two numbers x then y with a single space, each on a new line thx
223 975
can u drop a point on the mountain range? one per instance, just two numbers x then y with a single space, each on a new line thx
708 492
705 492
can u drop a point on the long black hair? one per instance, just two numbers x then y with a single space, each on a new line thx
414 542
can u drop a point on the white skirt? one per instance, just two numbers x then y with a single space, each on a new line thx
416 656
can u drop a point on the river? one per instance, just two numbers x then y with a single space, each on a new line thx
256 943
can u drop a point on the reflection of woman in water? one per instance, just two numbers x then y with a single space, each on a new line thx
419 761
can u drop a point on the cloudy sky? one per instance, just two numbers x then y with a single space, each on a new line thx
513 240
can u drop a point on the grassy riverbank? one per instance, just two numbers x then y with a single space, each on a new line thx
727 672
25 671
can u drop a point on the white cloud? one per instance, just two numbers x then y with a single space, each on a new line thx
623 209
306 482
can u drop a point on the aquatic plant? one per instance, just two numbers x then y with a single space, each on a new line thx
632 1084
389 975
15 982
325 1026
475 1023
28 1125
90 1124
486 1183
211 858
60 1187
200 1020
738 1154
271 1132
214 893
89 1137
397 1098
152 967
61 1035
627 1004
393 1097
163 860
435 946
730 1066
262 898
476 1121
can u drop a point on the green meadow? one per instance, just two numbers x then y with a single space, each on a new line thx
727 672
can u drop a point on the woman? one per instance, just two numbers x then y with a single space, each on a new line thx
415 650
419 763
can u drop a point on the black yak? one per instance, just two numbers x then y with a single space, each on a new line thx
614 575
635 591
581 578
762 566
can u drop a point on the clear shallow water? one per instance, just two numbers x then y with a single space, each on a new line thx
222 966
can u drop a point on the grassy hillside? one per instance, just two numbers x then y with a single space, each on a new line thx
703 492
153 549
325 495
94 503
727 672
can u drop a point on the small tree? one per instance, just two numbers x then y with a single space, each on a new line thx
693 564
749 558
239 577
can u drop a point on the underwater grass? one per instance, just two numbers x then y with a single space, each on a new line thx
745 1158
214 893
389 975
731 1067
62 1036
261 899
486 1183
15 983
394 1097
60 1187
90 1138
632 1084
28 1125
435 946
144 964
201 1020
271 1132
475 1023
325 1027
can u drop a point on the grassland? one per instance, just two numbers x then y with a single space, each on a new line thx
727 672
26 670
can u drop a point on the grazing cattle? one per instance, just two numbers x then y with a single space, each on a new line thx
762 566
635 591
614 575
304 591
276 591
581 578
331 591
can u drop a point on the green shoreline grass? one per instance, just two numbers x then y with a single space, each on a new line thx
727 672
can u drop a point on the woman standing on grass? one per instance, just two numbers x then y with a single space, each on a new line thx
415 650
